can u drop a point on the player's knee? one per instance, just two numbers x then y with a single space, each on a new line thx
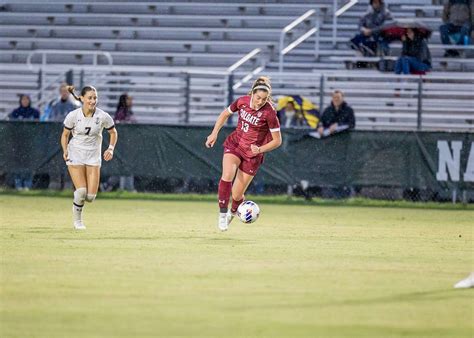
90 197
80 195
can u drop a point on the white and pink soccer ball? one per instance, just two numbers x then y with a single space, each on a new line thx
248 212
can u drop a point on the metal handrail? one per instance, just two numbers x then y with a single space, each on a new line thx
315 30
55 82
336 14
44 53
242 61
44 61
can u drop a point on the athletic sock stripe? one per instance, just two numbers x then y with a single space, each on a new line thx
78 205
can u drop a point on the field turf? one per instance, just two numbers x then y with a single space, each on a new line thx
160 268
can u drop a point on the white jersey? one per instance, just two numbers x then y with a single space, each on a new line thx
87 131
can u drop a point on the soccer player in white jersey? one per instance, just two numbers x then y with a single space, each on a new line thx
82 152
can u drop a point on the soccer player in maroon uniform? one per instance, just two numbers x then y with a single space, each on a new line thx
257 132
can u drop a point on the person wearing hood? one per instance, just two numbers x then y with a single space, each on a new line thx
297 111
416 57
457 20
24 111
24 180
368 39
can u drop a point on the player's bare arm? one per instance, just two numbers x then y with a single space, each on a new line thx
64 141
273 144
109 153
221 120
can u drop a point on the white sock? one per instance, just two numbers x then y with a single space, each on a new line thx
78 204
76 213
90 198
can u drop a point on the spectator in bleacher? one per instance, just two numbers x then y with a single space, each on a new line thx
297 111
24 111
124 113
457 24
369 41
338 116
59 108
416 57
24 180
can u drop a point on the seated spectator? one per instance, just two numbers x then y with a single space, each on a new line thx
369 41
124 113
416 57
24 180
457 24
297 111
24 111
338 116
59 108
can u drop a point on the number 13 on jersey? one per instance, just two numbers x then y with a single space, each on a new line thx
245 126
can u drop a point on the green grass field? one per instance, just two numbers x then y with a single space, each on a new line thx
160 268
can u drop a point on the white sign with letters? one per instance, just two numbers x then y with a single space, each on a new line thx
449 162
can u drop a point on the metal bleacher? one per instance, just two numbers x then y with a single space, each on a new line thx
177 59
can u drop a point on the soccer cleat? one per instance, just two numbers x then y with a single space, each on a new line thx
223 221
78 225
466 282
230 217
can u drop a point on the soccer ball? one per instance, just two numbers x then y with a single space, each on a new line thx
248 212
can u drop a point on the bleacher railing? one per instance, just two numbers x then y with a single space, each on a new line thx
256 53
45 52
438 101
337 13
315 30
48 89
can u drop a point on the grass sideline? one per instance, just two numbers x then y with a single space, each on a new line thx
265 199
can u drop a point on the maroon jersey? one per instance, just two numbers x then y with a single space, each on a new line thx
254 126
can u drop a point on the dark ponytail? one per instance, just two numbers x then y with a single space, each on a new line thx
84 91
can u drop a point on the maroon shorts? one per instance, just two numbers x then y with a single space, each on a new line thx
247 165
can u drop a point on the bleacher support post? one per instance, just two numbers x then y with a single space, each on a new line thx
420 103
81 79
230 93
70 77
334 23
321 93
40 83
187 81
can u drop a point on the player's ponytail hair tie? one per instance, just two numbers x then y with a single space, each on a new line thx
70 89
84 91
